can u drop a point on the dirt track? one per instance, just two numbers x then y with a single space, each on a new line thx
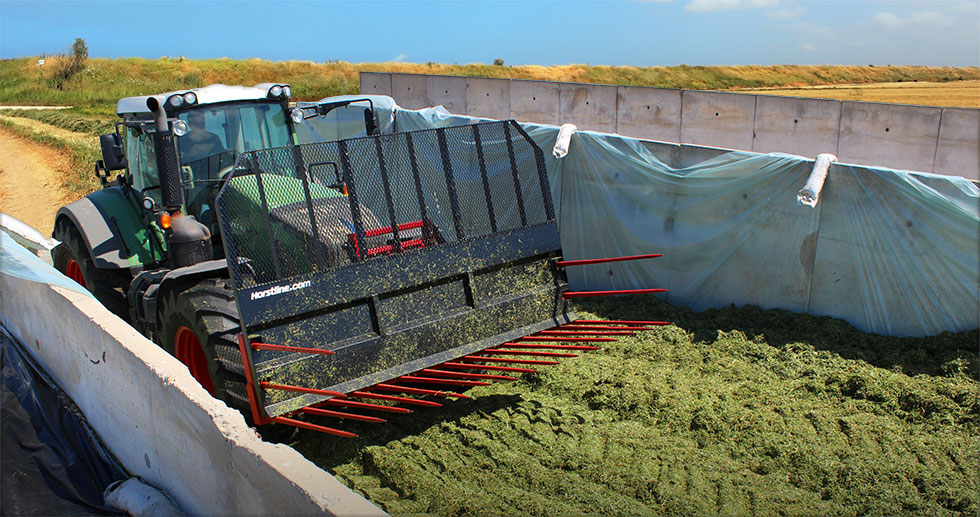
29 185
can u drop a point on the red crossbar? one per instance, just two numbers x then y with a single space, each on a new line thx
380 250
583 294
584 262
313 427
621 322
300 389
543 345
284 348
506 360
416 391
460 375
464 366
392 398
363 405
387 229
338 414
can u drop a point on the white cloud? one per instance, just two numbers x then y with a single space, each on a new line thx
399 57
788 13
921 18
706 6
809 47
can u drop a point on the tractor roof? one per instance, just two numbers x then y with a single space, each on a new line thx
212 94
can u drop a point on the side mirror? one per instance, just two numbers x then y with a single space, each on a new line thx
369 123
113 155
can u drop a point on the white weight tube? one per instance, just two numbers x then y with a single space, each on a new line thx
564 138
810 193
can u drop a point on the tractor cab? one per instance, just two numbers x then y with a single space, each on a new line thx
211 126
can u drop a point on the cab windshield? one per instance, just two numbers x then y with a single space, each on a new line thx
216 135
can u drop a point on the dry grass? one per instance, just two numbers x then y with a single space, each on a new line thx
956 93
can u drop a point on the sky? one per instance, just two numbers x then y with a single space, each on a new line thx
611 32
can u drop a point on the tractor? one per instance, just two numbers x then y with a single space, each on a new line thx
290 277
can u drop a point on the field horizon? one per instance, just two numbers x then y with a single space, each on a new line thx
103 81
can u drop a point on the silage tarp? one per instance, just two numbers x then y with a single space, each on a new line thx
891 252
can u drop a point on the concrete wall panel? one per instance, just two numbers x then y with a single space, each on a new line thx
958 153
410 91
718 119
156 419
806 127
488 98
375 83
535 101
589 106
889 135
649 113
448 92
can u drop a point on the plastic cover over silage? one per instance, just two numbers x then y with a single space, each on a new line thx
891 252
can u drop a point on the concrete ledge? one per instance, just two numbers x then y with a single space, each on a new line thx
156 419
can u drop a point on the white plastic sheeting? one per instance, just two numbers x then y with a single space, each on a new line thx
346 121
892 252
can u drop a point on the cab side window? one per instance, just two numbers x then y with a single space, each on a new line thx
142 162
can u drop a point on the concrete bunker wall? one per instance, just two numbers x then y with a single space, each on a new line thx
156 419
919 138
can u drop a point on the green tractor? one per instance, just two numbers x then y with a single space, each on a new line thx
303 279
147 244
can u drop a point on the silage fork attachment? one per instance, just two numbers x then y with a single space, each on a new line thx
440 269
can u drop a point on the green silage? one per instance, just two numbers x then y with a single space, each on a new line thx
730 411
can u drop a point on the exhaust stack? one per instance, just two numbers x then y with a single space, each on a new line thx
171 191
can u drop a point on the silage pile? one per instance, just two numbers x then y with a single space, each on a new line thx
733 411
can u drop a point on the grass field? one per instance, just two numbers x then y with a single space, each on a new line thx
731 412
104 81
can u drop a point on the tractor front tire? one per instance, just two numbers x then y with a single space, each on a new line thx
72 258
199 326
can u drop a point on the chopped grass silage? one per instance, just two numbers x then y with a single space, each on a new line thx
730 411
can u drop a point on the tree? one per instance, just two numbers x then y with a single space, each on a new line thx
70 63
499 61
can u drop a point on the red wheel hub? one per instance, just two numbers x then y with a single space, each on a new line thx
190 352
74 271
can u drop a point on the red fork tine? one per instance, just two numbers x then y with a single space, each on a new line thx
507 360
550 346
363 405
338 414
459 375
392 398
464 366
416 391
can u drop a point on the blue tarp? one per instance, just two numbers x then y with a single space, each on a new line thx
891 252
18 261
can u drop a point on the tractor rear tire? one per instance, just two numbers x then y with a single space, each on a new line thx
72 258
199 326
